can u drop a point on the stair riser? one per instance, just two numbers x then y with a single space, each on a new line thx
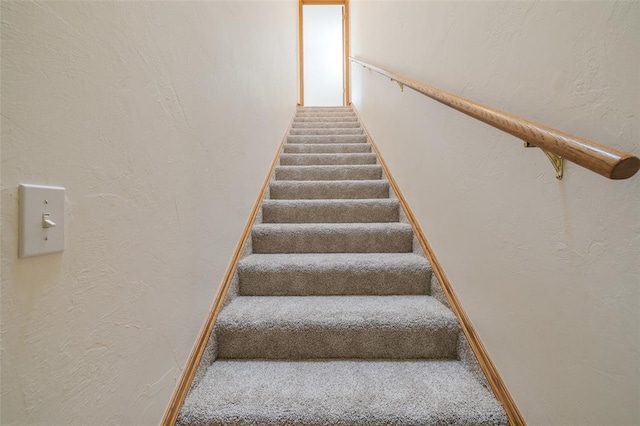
327 125
318 139
314 241
325 108
364 172
314 343
326 159
325 114
328 131
313 119
383 212
328 190
337 282
328 148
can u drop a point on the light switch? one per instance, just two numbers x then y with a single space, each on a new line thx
41 220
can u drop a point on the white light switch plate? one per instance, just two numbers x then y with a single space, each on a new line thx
41 220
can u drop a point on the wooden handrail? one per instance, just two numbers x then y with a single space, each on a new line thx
604 160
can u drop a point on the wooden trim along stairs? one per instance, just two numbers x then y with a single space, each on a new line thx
181 391
490 371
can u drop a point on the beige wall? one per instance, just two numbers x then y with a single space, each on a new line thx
160 119
548 270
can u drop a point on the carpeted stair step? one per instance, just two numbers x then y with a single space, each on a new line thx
327 159
354 172
337 392
330 211
315 119
327 274
328 131
313 190
298 327
324 124
324 108
332 238
335 108
327 139
325 114
308 148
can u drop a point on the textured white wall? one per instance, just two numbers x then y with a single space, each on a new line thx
548 270
160 119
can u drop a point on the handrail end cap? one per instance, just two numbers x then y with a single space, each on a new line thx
625 168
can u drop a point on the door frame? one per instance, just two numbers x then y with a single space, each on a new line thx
346 65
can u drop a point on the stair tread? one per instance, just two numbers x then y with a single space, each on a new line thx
316 139
324 124
332 202
264 227
322 274
344 392
324 261
325 108
325 114
332 167
331 312
375 237
328 131
314 327
331 228
327 159
329 172
315 119
329 189
327 155
382 210
327 148
332 183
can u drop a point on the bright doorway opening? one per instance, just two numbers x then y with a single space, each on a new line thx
323 52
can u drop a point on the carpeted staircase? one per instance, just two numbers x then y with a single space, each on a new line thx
332 320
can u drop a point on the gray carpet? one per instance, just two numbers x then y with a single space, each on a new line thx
326 159
342 148
341 172
320 190
376 274
324 211
340 393
331 320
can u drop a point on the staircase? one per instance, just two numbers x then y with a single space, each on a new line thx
333 322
